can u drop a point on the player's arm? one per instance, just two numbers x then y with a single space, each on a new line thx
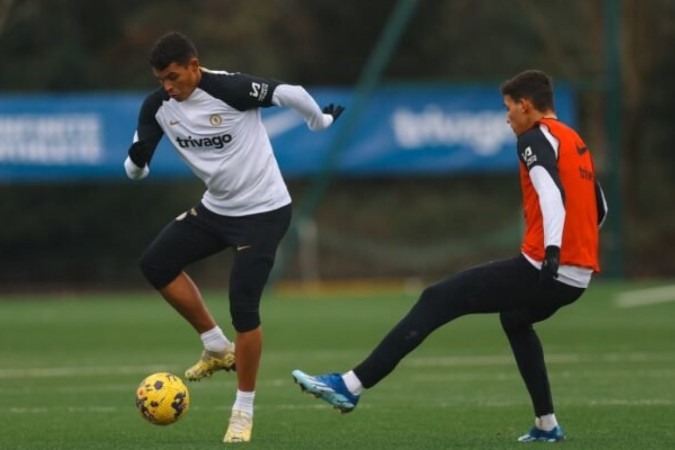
243 91
541 159
147 136
297 98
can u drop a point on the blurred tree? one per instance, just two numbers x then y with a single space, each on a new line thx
5 8
81 45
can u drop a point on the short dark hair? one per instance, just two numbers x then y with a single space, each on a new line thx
170 48
534 85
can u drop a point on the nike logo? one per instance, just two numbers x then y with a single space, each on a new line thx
582 150
182 216
242 247
174 122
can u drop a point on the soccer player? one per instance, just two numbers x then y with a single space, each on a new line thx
564 208
213 120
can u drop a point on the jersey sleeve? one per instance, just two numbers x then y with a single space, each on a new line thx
540 158
148 131
534 150
239 90
297 98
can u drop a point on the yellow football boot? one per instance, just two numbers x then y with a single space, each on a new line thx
211 362
240 427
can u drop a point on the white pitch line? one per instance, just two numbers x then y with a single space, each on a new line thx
43 410
13 410
421 361
645 297
51 372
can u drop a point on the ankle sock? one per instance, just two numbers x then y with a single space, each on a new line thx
546 422
352 382
244 401
214 340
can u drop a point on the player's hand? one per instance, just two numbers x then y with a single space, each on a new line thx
549 268
333 110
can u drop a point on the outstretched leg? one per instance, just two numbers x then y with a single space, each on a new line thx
487 288
476 290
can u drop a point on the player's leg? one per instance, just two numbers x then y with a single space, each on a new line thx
486 288
249 275
529 354
184 296
256 239
219 352
180 243
480 289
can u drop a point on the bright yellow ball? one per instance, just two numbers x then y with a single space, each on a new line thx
162 398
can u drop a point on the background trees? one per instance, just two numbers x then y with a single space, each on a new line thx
80 45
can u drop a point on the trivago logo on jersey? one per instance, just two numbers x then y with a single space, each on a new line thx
216 142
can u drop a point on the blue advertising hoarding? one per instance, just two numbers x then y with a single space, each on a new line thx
404 129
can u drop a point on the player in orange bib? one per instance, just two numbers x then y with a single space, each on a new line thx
564 208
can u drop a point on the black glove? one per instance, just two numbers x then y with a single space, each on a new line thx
140 153
549 268
333 110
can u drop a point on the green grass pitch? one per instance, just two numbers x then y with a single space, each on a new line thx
70 364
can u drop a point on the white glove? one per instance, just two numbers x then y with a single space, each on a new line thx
133 171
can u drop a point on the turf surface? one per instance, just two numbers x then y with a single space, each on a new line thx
69 366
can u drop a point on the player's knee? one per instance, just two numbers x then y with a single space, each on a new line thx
513 322
428 294
245 294
244 321
157 274
244 309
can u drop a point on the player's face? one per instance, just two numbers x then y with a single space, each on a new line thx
518 114
177 80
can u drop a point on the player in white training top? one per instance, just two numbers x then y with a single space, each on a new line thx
213 120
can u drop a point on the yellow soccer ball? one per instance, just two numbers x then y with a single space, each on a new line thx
162 398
